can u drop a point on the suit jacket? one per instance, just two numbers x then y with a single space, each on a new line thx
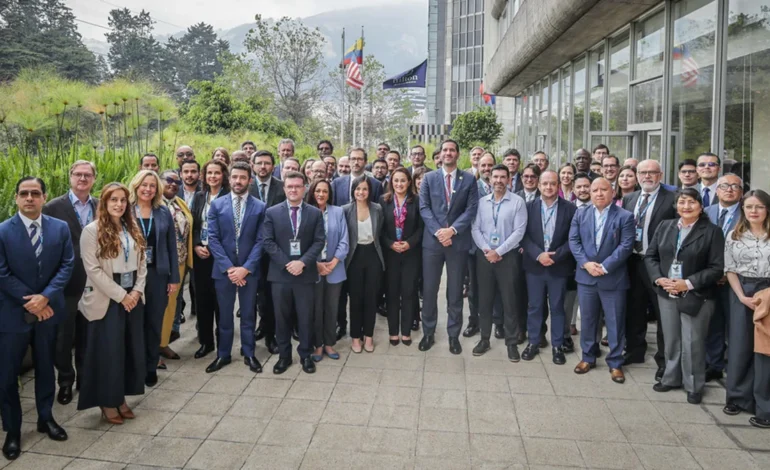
523 195
166 258
277 171
337 245
518 185
663 210
413 226
21 275
222 238
275 193
483 189
61 208
197 214
341 189
712 212
616 246
460 214
533 244
100 288
411 169
702 255
278 234
377 219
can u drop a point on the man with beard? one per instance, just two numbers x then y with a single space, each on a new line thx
343 166
582 190
380 170
190 173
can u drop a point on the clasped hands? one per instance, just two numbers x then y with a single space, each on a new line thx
672 286
400 247
324 268
492 256
445 235
130 300
295 267
37 305
594 269
237 275
545 258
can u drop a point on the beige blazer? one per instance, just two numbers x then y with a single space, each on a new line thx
100 288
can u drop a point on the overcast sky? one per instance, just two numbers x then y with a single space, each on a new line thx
172 16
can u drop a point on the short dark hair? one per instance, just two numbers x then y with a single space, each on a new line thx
450 141
693 193
436 152
191 162
394 151
311 191
687 161
248 142
513 152
501 167
332 157
363 179
601 146
359 149
31 178
240 166
417 147
385 144
324 141
580 175
295 174
141 159
379 160
710 154
263 153
535 169
617 162
540 152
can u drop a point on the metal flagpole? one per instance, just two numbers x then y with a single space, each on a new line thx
362 88
342 102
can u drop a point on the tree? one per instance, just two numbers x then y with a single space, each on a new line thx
242 77
479 126
291 57
42 32
197 54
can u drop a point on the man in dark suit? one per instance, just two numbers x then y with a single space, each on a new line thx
341 186
448 203
77 208
294 238
285 150
268 189
235 242
650 206
601 238
512 159
531 178
36 262
417 157
582 162
548 263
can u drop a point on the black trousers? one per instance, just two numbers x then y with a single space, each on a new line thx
206 300
71 335
639 295
156 300
286 298
364 277
265 300
342 306
327 296
496 279
402 271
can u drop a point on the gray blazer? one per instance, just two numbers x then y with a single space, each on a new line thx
377 218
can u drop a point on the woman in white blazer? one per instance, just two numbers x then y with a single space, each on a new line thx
112 248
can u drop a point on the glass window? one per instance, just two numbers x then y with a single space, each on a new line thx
479 38
647 99
579 105
649 47
620 67
479 22
544 94
463 8
480 5
566 92
596 80
531 117
554 116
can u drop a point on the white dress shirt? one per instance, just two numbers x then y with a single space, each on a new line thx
28 223
647 215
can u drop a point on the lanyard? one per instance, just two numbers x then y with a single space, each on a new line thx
127 246
679 240
146 231
89 217
295 230
551 211
496 214
728 221
640 215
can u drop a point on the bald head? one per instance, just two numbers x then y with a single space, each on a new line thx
318 170
601 193
184 154
582 160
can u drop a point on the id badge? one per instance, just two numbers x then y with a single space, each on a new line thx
204 236
149 254
676 270
294 249
399 233
639 234
127 280
494 240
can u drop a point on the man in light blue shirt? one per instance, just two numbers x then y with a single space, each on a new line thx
497 231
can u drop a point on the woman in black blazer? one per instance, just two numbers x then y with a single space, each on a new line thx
364 263
216 183
401 238
685 260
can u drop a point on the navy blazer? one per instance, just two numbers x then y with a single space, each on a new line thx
166 257
275 193
413 227
278 233
341 189
20 274
460 214
713 212
533 244
222 236
616 246
199 200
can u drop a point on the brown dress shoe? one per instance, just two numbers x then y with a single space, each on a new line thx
112 419
583 367
617 376
125 412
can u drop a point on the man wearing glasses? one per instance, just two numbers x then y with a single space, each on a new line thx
325 149
708 170
183 154
688 173
610 167
417 157
382 150
77 208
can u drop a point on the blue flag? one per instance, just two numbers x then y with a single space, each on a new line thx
412 78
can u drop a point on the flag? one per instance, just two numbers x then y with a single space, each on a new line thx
690 70
489 98
355 53
353 76
412 78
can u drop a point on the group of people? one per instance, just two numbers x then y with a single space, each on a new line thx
295 244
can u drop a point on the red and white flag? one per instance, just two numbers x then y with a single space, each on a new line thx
354 77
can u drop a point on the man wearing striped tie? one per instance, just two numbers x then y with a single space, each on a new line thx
36 261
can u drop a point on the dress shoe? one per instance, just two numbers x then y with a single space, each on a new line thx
629 359
65 394
471 330
182 318
659 387
659 373
583 367
238 313
454 346
394 342
694 398
341 333
513 353
271 344
406 341
126 412
731 409
281 366
543 342
617 376
568 346
151 379
530 352
295 334
308 365
499 332
169 353
426 343
415 325
712 374
259 333
174 336
759 422
382 310
203 351
162 365
573 331
521 338
115 419
12 447
218 363
54 431
481 347
558 356
253 364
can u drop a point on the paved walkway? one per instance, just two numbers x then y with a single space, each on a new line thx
401 408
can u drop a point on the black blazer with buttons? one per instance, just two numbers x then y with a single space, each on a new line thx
199 200
413 227
275 193
663 210
376 217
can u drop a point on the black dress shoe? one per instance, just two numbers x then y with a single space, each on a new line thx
712 374
282 364
54 431
731 409
218 363
499 332
759 422
558 356
394 342
259 333
521 338
543 342
415 325
568 346
308 365
203 351
253 364
659 373
694 398
182 318
12 447
629 359
659 387
481 347
65 394
530 352
426 343
271 344
341 333
471 330
151 379
174 336
295 334
454 346
513 353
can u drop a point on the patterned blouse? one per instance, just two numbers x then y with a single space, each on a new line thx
748 257
181 227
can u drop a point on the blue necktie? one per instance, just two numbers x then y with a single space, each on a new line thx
706 198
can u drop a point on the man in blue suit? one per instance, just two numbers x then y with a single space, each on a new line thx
235 242
36 262
448 203
548 263
341 186
601 239
724 214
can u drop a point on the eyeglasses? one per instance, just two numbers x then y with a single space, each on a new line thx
707 164
648 173
529 177
418 154
726 186
758 207
185 154
324 149
173 181
82 176
34 193
608 167
687 172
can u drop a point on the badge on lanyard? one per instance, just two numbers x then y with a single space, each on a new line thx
149 255
127 280
294 249
494 240
675 272
639 234
204 236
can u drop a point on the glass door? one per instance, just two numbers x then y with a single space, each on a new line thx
620 143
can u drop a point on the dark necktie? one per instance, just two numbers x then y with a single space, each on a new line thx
706 198
237 222
640 218
294 218
37 241
262 195
722 217
448 188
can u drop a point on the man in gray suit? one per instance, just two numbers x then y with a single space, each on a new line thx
448 203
